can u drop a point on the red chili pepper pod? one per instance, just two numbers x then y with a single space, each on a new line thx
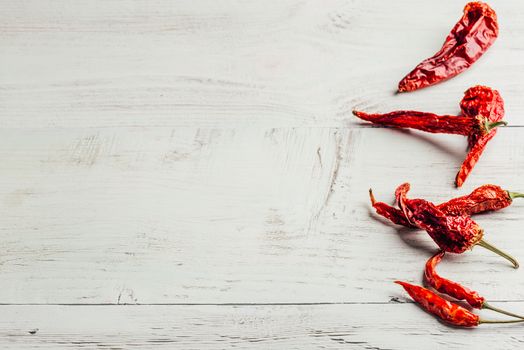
483 100
474 33
482 112
448 287
472 158
429 122
454 234
482 199
393 214
433 123
479 101
454 289
447 311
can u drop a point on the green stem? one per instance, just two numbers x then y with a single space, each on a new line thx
487 306
514 195
495 250
492 125
493 321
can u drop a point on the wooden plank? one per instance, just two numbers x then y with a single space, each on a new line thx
156 215
234 63
390 326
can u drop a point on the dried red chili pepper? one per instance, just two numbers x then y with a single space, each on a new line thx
472 158
482 100
454 289
474 33
393 214
445 310
482 111
479 100
482 199
454 234
429 122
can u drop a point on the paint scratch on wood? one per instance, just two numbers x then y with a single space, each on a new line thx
336 168
86 151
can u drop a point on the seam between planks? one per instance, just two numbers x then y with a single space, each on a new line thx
234 304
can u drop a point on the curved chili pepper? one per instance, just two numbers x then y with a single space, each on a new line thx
472 158
482 100
469 39
448 287
479 100
393 214
454 289
436 305
454 234
447 311
482 199
482 112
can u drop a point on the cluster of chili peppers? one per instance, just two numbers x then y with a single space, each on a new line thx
482 108
450 224
482 199
482 112
446 310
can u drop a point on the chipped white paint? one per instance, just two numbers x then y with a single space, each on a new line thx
189 152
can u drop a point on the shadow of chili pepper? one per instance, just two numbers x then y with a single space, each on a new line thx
416 239
441 146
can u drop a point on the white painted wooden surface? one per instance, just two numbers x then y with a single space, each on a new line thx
199 160
393 326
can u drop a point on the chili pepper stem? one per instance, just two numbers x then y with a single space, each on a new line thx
495 250
492 125
372 197
492 308
493 321
514 195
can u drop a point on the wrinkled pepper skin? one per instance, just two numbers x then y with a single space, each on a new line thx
482 112
485 101
392 214
473 157
448 312
445 286
482 199
479 101
456 290
428 122
473 34
454 234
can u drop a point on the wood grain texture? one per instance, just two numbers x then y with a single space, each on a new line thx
231 63
198 161
391 326
221 216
